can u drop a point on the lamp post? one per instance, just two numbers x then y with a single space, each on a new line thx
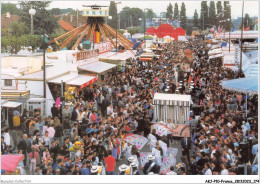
241 47
43 48
116 23
160 23
144 27
32 13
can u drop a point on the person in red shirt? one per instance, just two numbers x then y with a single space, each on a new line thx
93 117
110 163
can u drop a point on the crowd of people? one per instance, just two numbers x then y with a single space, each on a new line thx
123 104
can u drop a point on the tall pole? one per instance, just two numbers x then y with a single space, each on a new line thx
229 35
43 48
31 22
116 24
144 30
241 47
203 22
116 28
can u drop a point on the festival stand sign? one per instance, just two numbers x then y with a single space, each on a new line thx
136 139
172 152
144 159
166 164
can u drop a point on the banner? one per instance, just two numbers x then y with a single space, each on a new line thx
181 130
86 54
166 164
95 13
136 139
172 152
103 47
144 159
161 129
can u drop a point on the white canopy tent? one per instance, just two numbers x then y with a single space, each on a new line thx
171 106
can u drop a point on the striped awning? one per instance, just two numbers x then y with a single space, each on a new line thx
171 99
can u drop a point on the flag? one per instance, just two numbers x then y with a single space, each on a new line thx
233 29
220 30
247 28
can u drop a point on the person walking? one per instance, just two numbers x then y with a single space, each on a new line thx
110 163
186 145
33 155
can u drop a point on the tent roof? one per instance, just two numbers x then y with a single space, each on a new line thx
10 104
97 67
244 85
172 97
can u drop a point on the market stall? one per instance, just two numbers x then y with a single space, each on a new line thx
7 108
172 106
98 68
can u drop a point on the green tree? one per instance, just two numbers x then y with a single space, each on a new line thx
183 17
195 19
212 13
176 12
227 15
55 11
219 12
17 29
49 24
9 7
204 14
125 17
136 13
248 22
150 14
169 11
112 12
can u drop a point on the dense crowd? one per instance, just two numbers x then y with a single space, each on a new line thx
101 116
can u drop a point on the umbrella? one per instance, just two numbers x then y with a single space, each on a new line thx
10 162
136 139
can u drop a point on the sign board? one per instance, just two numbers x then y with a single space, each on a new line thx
95 13
103 47
181 130
86 54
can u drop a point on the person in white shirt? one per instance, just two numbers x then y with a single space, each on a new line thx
7 138
171 126
157 152
110 109
207 170
224 170
127 149
171 172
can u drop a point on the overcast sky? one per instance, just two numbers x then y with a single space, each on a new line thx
251 7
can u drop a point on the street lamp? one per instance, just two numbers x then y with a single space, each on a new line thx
116 24
32 13
144 27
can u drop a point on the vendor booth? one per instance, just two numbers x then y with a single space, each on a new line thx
172 106
36 104
7 108
98 68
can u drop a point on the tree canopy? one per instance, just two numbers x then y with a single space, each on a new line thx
49 24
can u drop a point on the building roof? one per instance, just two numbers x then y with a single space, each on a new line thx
6 21
97 67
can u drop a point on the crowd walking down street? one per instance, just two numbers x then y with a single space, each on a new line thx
88 138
